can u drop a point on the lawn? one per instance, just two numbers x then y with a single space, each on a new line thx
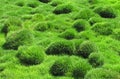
59 39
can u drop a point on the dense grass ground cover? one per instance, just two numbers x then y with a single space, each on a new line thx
59 39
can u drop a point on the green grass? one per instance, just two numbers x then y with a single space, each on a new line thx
47 22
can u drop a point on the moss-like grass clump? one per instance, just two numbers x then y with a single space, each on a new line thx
63 9
80 25
55 3
41 27
60 48
103 28
80 69
106 12
84 14
20 3
45 1
94 20
95 60
11 24
16 39
116 34
32 55
68 34
101 73
61 66
86 48
32 4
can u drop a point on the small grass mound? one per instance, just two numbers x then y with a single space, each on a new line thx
20 3
32 55
77 43
95 60
100 73
61 66
16 39
86 48
68 34
80 25
94 20
105 12
60 48
85 14
45 1
63 9
92 1
32 4
37 17
41 26
56 3
2 68
103 28
80 69
10 24
116 34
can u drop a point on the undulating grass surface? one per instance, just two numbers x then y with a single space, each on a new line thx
59 39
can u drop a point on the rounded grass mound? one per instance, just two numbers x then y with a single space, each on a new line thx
68 34
32 4
105 12
86 48
32 55
92 1
16 39
116 34
44 1
94 20
103 28
20 3
80 25
61 66
100 73
80 69
10 24
41 27
63 9
85 14
60 48
56 3
95 60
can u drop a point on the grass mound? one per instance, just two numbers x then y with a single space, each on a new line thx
16 39
103 28
80 69
80 25
95 60
63 9
56 3
100 73
20 3
105 12
32 55
92 1
32 4
41 27
60 48
61 66
45 1
86 48
94 20
10 24
116 34
68 34
85 14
